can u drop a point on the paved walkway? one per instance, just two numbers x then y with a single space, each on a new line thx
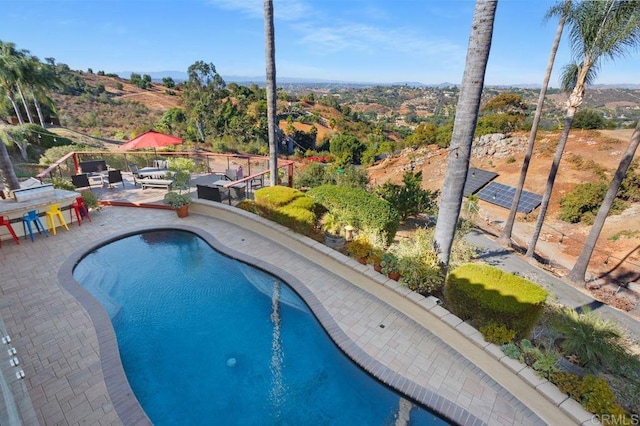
422 350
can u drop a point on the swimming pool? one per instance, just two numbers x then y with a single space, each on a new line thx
204 338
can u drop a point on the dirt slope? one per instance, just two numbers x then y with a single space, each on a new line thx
560 241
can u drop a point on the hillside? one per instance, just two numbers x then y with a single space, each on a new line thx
125 109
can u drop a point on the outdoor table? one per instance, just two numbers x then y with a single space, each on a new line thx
152 172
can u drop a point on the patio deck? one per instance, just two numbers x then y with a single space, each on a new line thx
423 350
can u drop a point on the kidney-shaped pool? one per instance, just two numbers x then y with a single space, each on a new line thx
206 339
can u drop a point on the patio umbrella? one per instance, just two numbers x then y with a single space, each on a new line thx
151 139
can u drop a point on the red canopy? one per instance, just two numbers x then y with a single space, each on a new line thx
151 139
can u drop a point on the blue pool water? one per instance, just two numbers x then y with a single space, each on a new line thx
203 340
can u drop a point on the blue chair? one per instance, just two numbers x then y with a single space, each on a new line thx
27 219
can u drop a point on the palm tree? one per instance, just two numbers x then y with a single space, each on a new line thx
464 127
9 75
579 270
9 178
270 53
505 237
598 29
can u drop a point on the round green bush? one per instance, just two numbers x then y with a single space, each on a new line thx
486 294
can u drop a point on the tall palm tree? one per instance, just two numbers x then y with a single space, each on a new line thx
270 54
579 270
463 129
505 237
9 178
9 75
599 29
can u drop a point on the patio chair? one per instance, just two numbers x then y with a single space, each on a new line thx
133 168
80 181
114 177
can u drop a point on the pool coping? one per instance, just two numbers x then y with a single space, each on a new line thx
125 403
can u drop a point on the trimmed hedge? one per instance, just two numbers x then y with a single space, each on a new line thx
276 196
359 208
486 294
288 207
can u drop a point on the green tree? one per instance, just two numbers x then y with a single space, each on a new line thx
464 128
409 199
346 148
168 82
9 178
598 30
203 94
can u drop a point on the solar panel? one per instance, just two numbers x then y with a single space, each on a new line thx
502 195
476 179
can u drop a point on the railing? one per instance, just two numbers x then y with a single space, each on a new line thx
69 165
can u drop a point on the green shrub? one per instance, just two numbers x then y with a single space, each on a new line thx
409 199
276 196
497 333
595 341
595 395
486 294
511 350
299 219
288 207
583 203
62 183
359 208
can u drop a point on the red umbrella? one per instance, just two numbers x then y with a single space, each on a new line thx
151 139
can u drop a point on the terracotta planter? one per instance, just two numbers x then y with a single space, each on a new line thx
394 275
183 211
362 260
377 267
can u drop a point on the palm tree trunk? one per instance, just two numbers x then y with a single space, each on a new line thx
270 54
505 237
15 106
568 119
24 102
579 270
464 127
9 178
39 111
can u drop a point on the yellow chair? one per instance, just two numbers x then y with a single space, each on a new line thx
54 211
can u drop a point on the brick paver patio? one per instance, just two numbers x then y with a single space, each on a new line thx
421 349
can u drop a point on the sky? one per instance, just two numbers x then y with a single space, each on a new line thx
367 41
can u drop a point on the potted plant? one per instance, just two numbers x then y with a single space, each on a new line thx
331 225
390 265
360 248
375 258
179 200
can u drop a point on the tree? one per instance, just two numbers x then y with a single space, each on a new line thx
203 94
579 270
9 75
168 82
463 129
598 29
505 237
9 178
270 55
